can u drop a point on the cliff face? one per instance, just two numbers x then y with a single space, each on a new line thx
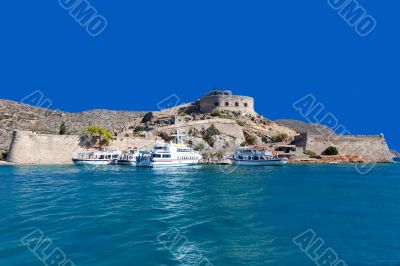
17 116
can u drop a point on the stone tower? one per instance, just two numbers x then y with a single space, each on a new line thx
226 101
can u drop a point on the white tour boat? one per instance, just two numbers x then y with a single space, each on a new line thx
169 154
129 157
257 156
101 157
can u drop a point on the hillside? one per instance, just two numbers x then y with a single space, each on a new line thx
300 127
234 128
15 115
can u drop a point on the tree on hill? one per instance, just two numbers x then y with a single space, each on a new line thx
103 134
331 151
63 129
250 139
209 133
138 129
281 137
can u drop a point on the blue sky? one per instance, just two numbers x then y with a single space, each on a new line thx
275 51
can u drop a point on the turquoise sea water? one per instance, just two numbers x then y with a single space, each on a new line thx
114 215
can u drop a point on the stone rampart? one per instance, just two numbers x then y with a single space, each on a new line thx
369 148
31 148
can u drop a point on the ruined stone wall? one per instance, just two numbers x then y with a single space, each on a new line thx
369 148
226 102
31 148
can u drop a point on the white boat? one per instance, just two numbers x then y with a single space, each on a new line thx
257 156
101 157
169 154
129 157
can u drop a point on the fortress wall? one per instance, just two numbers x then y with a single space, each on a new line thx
369 148
207 103
31 148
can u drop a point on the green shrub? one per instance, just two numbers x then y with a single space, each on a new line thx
63 129
310 153
105 135
220 154
331 151
212 131
208 155
3 155
280 137
240 122
201 146
192 132
93 130
251 139
209 133
97 131
138 129
216 113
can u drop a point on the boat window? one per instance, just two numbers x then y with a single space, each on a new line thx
115 156
240 157
101 157
256 158
156 155
166 156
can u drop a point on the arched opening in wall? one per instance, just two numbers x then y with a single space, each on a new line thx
236 104
245 105
226 103
216 103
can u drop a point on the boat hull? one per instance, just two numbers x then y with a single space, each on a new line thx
272 162
91 162
126 162
167 163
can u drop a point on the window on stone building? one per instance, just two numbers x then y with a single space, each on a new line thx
236 104
217 104
245 105
226 104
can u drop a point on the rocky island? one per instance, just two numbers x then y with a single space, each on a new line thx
216 125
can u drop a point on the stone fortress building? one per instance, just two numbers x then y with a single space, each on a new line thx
217 100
